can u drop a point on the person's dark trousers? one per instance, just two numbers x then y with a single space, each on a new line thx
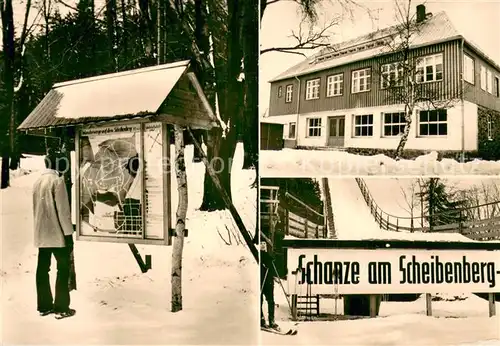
268 294
45 301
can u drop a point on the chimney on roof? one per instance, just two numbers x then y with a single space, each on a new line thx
420 13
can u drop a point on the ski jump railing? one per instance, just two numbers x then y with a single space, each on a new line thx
309 224
480 229
306 226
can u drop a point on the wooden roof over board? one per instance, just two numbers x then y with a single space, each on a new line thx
168 92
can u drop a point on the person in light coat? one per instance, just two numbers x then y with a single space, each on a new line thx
53 236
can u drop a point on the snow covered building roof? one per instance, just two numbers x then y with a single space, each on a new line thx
435 29
168 92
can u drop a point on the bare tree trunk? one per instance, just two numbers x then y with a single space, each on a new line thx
8 80
221 147
161 29
249 37
205 77
112 37
180 172
406 133
124 33
146 27
420 194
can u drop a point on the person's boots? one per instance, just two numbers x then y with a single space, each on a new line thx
272 323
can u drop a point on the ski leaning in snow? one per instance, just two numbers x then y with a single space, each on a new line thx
277 331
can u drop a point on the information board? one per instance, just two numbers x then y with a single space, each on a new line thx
380 271
121 182
153 157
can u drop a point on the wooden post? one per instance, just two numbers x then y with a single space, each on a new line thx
491 303
428 304
180 224
287 222
305 228
272 218
373 305
294 307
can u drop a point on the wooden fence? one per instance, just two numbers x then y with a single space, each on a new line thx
310 224
301 227
300 219
482 229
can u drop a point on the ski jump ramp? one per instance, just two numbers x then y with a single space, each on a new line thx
353 220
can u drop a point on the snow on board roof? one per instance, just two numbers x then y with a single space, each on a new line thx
129 94
438 28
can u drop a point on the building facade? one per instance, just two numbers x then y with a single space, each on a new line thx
343 97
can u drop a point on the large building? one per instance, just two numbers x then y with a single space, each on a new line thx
343 96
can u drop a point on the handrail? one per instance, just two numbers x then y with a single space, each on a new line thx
386 220
329 210
287 194
303 226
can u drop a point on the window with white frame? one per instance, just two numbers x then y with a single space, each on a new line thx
363 125
289 93
497 86
483 77
312 89
291 130
394 123
335 85
489 81
391 75
314 127
361 80
430 68
468 69
280 91
433 122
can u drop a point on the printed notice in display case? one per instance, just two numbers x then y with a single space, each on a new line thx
153 157
111 182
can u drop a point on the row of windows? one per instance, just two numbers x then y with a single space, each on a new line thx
430 123
428 69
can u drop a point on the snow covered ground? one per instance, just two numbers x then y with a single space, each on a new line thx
454 322
353 220
303 163
115 302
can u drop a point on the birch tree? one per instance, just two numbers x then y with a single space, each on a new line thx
182 189
411 200
402 73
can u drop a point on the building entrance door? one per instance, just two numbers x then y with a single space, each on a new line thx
336 126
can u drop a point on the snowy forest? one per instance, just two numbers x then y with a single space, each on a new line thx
50 41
